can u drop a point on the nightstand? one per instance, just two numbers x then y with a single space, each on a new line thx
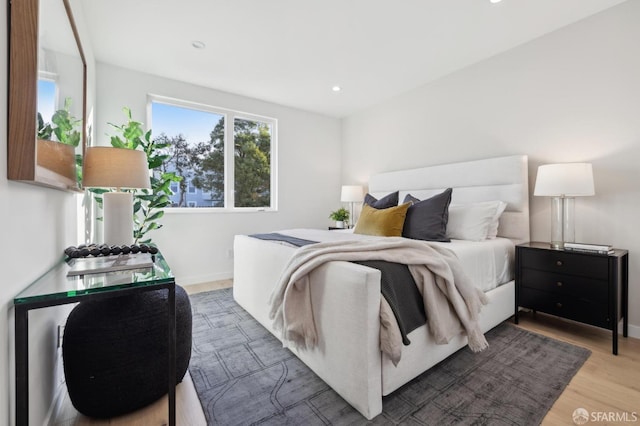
584 287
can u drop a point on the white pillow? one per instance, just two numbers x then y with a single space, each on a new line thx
476 221
492 233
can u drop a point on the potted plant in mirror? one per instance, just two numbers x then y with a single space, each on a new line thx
57 142
340 216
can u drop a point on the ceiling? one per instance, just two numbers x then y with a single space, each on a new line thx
292 52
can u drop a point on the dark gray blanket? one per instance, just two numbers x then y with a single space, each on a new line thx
274 236
396 285
399 289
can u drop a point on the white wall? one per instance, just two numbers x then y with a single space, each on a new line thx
197 243
573 95
36 224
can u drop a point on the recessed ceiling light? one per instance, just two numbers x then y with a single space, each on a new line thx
495 1
336 88
198 44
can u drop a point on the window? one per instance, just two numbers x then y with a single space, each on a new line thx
252 162
47 95
228 156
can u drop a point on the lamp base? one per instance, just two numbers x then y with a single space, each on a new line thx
352 218
118 218
562 221
557 245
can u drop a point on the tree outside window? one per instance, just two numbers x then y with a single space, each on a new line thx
202 160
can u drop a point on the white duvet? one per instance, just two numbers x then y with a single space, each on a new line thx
488 263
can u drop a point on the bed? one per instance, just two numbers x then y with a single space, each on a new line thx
345 297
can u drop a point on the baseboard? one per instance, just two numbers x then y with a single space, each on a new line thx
634 330
199 279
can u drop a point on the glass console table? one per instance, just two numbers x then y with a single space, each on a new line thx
56 288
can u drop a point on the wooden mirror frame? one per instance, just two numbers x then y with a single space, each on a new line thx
23 96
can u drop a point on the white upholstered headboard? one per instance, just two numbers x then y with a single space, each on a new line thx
501 178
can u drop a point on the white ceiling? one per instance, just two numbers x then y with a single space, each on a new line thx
292 52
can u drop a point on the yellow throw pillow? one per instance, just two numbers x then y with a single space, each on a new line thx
385 222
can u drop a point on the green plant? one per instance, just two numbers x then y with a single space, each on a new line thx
339 215
148 204
64 126
44 129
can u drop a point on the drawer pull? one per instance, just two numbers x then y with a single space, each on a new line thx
558 305
558 262
559 283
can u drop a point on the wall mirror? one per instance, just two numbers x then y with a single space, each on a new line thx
47 95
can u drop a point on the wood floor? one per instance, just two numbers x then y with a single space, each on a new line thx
606 385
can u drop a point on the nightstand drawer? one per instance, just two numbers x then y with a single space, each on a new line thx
567 263
570 285
566 306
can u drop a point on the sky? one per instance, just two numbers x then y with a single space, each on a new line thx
46 99
172 120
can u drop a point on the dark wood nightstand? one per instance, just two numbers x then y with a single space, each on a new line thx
584 287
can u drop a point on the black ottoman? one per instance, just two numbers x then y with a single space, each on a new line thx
115 351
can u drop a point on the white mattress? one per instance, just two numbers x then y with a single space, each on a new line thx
489 263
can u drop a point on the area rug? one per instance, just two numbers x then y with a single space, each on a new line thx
243 376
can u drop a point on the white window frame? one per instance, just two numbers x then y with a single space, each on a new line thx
229 160
192 204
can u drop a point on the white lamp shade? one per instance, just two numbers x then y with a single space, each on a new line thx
567 179
351 193
107 167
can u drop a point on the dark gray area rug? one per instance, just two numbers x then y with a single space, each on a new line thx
243 376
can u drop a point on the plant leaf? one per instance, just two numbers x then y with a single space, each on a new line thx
155 216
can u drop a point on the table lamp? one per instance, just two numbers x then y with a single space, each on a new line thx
563 182
351 194
107 167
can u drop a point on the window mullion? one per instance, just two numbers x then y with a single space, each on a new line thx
273 164
229 164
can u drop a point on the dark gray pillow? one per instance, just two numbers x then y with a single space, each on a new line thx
427 219
389 200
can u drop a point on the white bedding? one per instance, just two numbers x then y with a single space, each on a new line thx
345 297
488 263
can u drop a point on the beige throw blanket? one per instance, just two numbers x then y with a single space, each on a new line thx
452 302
